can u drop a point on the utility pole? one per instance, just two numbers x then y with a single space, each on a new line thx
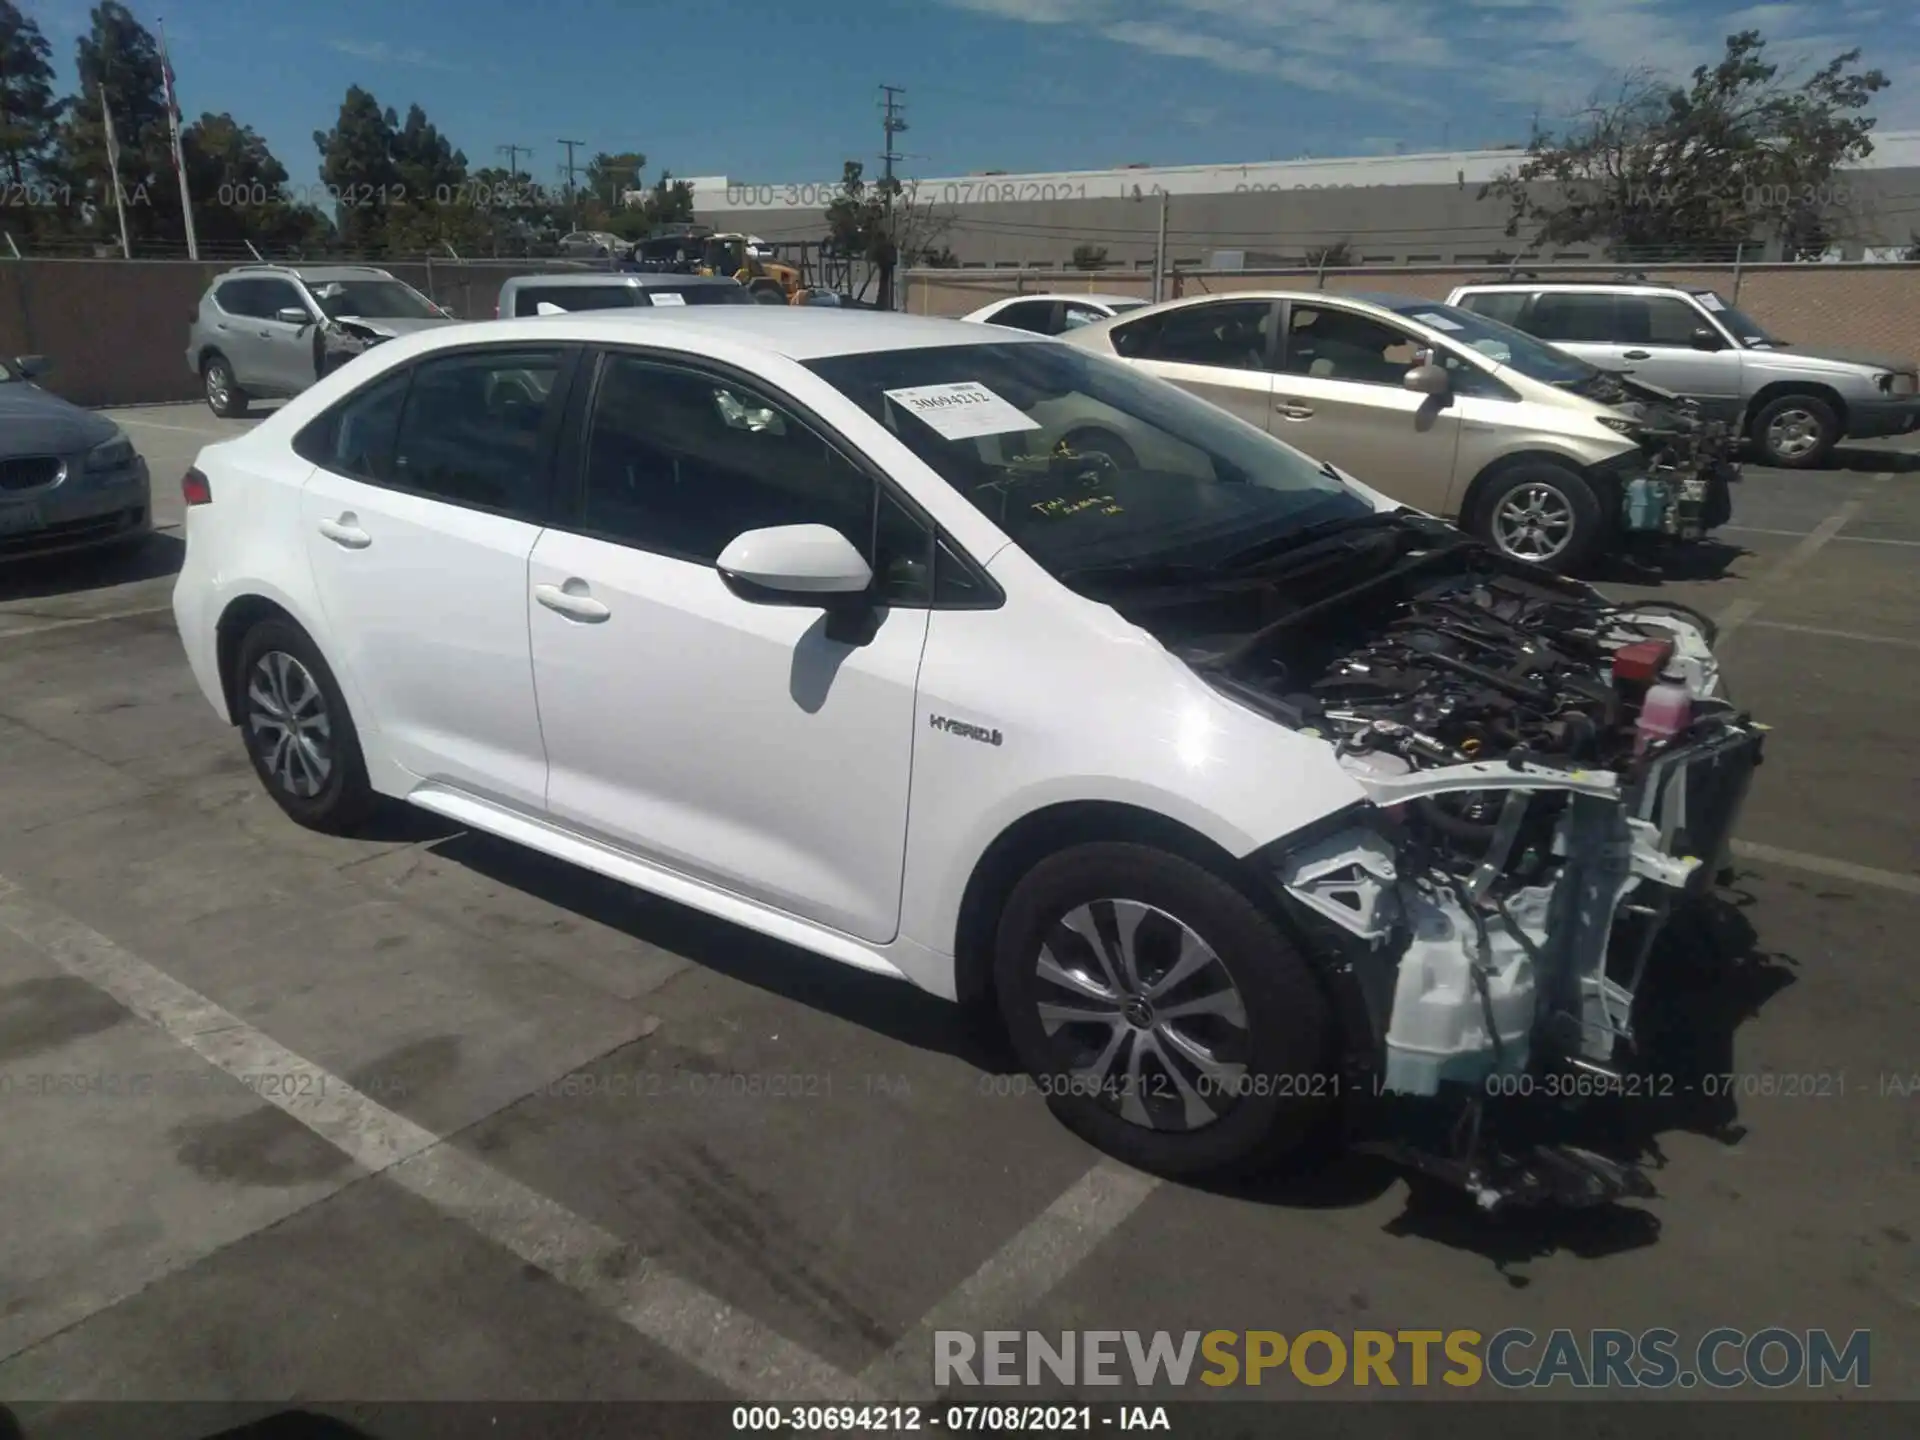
573 217
513 154
1160 254
893 124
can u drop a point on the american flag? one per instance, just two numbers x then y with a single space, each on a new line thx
173 105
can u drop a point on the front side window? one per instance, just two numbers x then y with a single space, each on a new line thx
1226 334
681 462
273 296
1085 462
470 430
1668 320
1330 343
1502 344
372 300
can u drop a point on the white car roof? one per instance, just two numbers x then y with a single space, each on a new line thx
801 332
1097 299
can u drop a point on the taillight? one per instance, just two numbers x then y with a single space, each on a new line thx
194 489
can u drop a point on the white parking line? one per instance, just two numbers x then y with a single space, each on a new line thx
1838 539
6 634
1822 865
1743 610
178 429
698 1328
1026 1268
1853 635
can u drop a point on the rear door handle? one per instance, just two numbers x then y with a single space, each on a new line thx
1293 410
346 532
571 601
1637 355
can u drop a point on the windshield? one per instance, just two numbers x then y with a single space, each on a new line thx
1740 325
1120 307
1500 343
373 300
1087 464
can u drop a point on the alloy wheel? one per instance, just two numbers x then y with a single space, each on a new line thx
288 724
1793 433
1145 1015
1534 522
217 389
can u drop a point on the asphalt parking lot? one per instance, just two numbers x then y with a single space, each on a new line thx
547 1181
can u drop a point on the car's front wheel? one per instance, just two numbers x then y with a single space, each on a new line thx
1796 432
1163 1014
297 730
1543 514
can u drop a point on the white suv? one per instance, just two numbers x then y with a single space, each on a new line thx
1239 792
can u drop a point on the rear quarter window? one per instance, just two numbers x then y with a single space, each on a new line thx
1502 305
528 300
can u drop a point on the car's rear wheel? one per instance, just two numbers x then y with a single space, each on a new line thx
297 730
224 396
1796 432
1164 1015
1542 514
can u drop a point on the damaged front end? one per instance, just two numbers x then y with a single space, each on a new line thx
1548 776
1679 484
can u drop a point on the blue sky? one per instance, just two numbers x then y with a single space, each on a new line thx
763 91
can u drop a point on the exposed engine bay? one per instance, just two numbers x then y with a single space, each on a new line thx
1689 460
1548 776
338 341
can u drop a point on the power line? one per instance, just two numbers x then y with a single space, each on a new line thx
513 153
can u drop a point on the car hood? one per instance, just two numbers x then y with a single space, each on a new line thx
35 422
392 327
1791 356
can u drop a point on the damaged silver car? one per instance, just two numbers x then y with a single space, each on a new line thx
268 331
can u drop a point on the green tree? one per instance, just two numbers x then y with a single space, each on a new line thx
118 54
610 176
29 110
358 168
1089 257
240 190
435 205
669 202
1739 153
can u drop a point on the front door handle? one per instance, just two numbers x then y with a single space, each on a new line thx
572 601
1638 355
1293 410
346 532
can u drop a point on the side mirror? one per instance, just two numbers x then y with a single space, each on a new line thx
796 560
1705 339
292 315
31 367
1428 380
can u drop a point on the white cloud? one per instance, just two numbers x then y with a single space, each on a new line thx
381 53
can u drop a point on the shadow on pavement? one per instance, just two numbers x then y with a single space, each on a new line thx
1872 461
888 1007
158 554
1707 559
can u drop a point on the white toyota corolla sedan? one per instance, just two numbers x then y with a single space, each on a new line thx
976 660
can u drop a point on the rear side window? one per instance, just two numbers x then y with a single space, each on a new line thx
240 297
1034 315
471 428
356 437
573 297
1595 319
1502 305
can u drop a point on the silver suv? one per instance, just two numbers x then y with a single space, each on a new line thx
272 330
1793 403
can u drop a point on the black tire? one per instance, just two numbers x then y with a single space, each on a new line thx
339 798
1102 442
1287 1093
224 397
1560 492
1795 432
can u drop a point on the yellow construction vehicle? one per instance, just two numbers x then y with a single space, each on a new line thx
741 257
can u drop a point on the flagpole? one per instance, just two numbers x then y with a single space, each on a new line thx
179 158
113 169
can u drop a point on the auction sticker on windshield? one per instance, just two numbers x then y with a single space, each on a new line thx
962 410
1438 322
668 297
